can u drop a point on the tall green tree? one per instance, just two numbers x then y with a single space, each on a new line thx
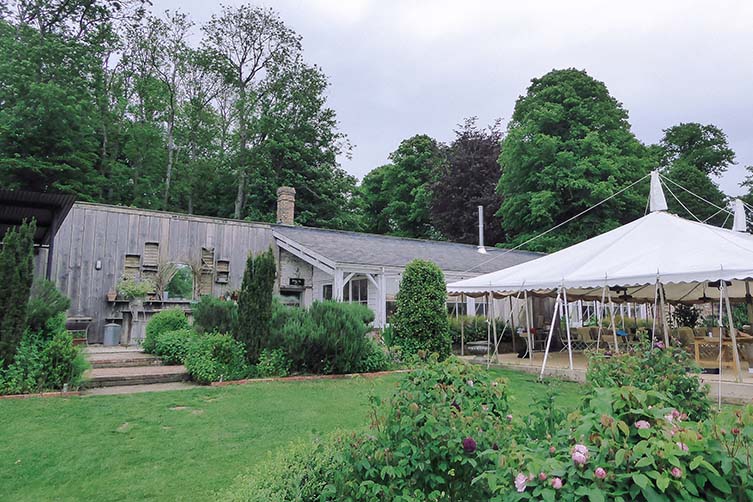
467 180
248 42
402 200
703 146
255 304
16 274
568 147
690 154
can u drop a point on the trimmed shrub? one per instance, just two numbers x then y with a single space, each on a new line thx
162 322
173 346
217 357
339 343
376 359
273 363
16 274
301 472
45 302
474 328
420 321
255 304
44 362
669 370
426 442
214 315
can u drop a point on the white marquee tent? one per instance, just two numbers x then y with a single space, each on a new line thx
659 257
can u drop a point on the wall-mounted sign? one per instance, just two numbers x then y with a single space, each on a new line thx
297 281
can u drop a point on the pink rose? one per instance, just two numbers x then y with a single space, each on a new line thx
642 424
676 472
520 482
600 473
581 448
509 418
682 446
556 483
579 458
542 476
552 450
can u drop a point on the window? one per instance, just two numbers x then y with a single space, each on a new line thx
132 266
356 291
327 291
223 272
151 256
481 308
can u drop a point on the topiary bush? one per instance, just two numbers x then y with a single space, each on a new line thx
426 442
45 302
669 370
217 357
214 315
173 346
162 322
420 322
255 304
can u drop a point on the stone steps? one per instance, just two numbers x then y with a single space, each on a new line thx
127 366
134 375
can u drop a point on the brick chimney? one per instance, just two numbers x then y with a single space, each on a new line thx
286 205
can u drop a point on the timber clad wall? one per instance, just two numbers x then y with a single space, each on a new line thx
93 232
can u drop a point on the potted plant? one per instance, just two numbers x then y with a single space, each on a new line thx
135 289
112 295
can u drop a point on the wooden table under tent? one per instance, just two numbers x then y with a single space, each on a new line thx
656 261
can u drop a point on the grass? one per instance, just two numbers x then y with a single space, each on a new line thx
181 445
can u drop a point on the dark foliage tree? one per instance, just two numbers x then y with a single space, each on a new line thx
16 275
399 195
467 180
420 322
568 147
255 304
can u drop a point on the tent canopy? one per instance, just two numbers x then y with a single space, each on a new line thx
685 256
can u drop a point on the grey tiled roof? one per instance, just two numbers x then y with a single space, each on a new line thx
382 250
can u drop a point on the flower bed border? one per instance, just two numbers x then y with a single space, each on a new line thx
303 378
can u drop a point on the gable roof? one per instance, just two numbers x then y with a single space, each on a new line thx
357 248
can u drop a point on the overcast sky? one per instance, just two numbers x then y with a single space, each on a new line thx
399 68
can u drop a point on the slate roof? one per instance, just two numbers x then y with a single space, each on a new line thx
382 250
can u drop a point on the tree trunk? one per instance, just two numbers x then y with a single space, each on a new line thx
242 151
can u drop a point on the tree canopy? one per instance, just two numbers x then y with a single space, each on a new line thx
397 197
114 104
467 180
568 147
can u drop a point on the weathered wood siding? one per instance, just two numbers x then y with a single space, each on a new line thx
93 232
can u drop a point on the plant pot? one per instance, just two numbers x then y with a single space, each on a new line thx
112 296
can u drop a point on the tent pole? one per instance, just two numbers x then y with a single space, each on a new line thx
512 323
494 328
721 346
656 301
567 324
748 303
551 332
600 315
528 327
665 325
612 323
733 335
488 334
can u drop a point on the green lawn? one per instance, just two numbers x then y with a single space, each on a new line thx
182 445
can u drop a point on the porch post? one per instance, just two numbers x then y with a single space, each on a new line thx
612 323
383 299
337 294
528 326
665 326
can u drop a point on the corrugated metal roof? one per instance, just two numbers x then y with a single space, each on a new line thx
387 251
46 208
